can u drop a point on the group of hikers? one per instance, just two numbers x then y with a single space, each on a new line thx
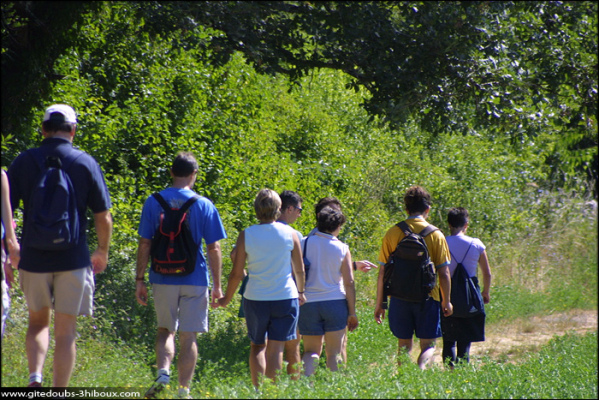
294 288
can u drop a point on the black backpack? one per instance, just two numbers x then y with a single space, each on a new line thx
410 274
173 250
465 293
52 220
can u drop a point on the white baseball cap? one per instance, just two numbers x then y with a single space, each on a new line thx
66 111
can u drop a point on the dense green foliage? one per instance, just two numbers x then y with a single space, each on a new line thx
525 70
144 90
500 119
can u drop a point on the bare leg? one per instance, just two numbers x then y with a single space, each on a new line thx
403 345
188 357
312 350
292 356
65 352
274 358
427 350
344 348
37 339
334 344
165 348
257 362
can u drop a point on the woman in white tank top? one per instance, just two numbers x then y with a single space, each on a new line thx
271 298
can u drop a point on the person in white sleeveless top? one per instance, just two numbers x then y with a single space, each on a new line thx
330 305
272 298
471 253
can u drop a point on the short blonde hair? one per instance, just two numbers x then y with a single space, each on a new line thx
267 205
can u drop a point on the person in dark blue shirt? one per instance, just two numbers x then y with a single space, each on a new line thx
62 280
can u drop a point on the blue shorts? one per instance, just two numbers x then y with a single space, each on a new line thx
319 317
423 318
277 319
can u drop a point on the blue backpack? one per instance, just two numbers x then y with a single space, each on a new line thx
52 221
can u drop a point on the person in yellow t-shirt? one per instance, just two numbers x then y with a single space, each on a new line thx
407 318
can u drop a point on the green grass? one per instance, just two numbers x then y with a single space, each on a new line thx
542 273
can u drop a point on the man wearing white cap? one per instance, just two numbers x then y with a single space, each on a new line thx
59 278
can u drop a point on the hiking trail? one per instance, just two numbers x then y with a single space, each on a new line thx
510 340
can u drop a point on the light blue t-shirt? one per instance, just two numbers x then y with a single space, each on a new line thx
464 248
268 248
205 225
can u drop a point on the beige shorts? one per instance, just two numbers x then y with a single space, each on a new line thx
67 292
181 306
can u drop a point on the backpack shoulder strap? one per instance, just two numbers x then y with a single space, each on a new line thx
161 201
425 232
188 203
465 254
66 161
428 230
305 242
167 207
453 257
405 228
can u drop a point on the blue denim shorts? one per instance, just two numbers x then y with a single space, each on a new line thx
407 318
319 317
277 319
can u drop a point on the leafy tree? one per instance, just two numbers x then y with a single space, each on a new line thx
519 69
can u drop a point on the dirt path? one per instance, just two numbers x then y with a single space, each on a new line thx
509 341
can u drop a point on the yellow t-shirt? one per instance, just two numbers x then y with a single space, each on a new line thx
436 243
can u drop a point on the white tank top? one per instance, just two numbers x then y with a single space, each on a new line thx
268 248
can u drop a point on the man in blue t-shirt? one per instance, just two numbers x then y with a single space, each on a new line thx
181 302
62 280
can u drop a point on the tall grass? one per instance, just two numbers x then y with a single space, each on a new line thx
552 267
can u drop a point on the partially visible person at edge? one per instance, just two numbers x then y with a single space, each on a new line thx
363 265
291 210
272 298
62 280
181 302
407 318
330 307
11 251
470 252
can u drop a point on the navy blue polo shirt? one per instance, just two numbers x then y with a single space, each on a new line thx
91 192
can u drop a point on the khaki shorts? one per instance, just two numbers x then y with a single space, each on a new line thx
181 306
67 292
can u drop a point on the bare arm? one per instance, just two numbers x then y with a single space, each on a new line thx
215 261
347 274
237 272
364 265
143 257
14 250
297 265
103 223
233 255
483 264
445 285
379 311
